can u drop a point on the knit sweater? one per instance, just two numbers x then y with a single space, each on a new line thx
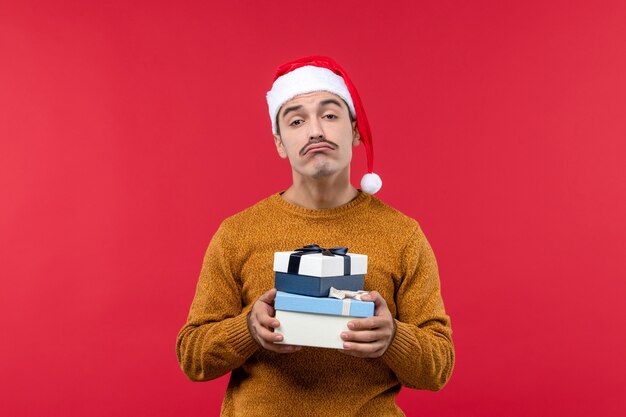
237 269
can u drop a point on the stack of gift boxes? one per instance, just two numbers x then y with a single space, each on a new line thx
304 278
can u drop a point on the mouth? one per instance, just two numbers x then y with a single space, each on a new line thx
318 148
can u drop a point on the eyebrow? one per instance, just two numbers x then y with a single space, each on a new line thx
330 101
290 109
322 104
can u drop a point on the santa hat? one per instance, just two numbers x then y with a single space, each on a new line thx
320 73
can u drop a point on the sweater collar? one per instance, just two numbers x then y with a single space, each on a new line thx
360 200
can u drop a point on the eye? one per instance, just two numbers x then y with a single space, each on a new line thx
296 122
330 116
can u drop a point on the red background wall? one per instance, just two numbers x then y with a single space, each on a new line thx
129 130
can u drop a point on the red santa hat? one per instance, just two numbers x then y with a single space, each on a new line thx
320 73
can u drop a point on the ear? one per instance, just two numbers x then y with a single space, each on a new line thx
280 148
356 136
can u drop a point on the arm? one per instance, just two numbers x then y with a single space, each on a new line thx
215 339
221 333
417 343
421 353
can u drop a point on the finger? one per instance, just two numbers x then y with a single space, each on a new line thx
271 340
370 296
267 321
263 309
367 347
261 312
376 298
367 323
365 336
261 306
363 347
266 336
268 296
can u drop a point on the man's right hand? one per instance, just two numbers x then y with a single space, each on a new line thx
261 324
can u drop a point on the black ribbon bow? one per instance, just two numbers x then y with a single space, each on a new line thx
294 259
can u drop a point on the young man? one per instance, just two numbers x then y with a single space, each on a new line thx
317 118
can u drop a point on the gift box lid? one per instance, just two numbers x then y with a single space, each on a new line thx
323 305
320 265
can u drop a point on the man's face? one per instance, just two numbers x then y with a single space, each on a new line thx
316 134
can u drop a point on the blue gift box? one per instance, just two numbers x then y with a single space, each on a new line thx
316 286
323 305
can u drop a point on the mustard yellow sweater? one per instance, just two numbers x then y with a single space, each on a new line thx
237 269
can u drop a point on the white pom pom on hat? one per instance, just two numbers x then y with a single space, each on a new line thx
371 183
320 73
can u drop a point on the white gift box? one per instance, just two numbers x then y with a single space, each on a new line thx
316 321
318 265
310 329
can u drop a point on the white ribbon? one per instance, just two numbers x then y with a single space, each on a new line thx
346 294
345 306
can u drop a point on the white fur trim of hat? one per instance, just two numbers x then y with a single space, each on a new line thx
304 80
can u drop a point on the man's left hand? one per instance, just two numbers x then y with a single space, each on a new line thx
370 337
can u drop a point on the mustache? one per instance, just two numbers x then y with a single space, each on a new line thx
305 148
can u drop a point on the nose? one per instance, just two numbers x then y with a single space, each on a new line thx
316 133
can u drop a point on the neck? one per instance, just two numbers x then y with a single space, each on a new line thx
318 193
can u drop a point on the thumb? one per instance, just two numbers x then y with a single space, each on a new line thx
268 297
375 297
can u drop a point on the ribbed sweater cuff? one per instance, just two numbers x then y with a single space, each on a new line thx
239 336
402 346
